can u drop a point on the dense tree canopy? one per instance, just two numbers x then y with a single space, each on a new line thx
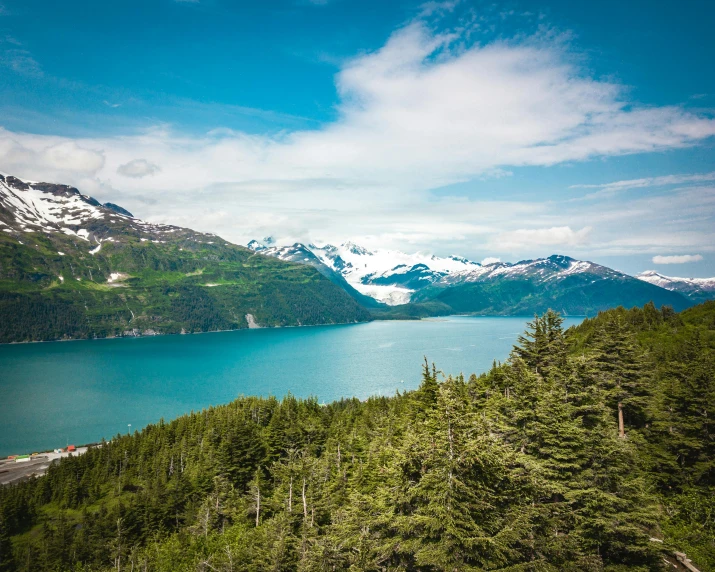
573 455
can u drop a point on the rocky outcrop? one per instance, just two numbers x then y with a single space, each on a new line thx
118 209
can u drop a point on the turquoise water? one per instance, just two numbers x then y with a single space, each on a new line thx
52 394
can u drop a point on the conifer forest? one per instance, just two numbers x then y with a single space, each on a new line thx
589 449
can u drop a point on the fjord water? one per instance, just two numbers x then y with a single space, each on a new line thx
52 394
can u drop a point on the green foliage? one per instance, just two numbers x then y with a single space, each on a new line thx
413 311
580 294
520 468
164 286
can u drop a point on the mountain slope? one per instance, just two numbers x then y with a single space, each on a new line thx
418 285
389 276
301 254
73 268
696 289
559 282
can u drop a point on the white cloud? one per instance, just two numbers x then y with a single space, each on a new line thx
428 9
677 259
422 112
138 168
20 61
617 186
555 236
51 158
69 156
490 260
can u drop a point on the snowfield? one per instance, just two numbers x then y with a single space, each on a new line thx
392 276
672 282
695 288
389 276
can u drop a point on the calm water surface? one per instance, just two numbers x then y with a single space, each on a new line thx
52 394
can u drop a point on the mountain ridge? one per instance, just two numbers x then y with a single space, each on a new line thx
388 276
440 285
71 268
696 289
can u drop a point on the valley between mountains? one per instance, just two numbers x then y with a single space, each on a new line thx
73 268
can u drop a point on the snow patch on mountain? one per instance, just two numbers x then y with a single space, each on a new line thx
678 284
393 277
553 268
28 206
389 276
44 210
390 295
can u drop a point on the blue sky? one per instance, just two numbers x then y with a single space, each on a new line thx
508 129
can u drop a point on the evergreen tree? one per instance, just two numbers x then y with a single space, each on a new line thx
6 558
621 372
426 395
608 497
542 347
531 346
683 430
459 496
519 468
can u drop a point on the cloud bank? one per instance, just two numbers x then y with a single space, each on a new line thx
555 236
424 111
138 168
678 259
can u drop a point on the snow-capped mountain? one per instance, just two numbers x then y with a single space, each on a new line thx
457 285
71 267
695 288
389 276
554 268
96 270
393 277
31 207
569 286
304 255
27 207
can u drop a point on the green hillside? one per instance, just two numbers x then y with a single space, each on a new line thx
525 467
186 283
578 294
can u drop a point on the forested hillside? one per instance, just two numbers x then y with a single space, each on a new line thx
73 268
588 450
572 287
139 287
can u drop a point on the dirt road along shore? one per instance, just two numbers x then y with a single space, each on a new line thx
13 472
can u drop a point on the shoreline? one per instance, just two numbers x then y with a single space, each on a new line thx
382 332
375 319
160 334
12 472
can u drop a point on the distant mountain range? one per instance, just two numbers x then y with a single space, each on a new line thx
388 276
422 284
71 267
696 289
